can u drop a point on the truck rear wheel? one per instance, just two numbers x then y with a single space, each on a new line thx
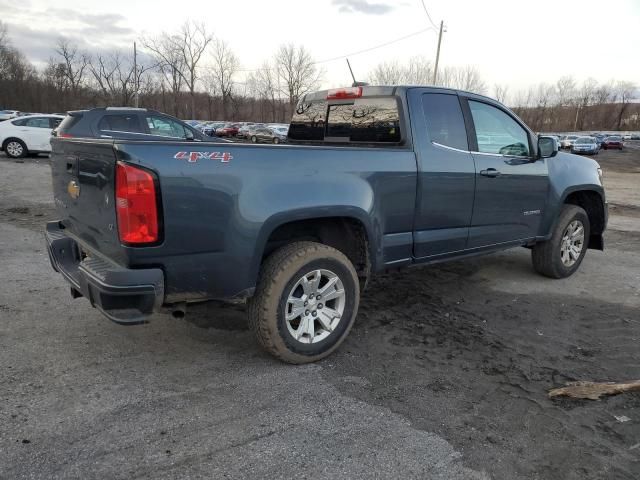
562 254
305 302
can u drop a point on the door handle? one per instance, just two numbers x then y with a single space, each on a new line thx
490 172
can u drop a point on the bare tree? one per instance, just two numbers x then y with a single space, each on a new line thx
623 92
170 65
464 78
225 66
417 71
264 83
115 76
180 55
4 35
566 88
500 92
387 73
75 64
297 71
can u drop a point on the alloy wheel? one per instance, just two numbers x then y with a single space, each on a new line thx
314 306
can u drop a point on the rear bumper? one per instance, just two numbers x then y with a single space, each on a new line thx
123 295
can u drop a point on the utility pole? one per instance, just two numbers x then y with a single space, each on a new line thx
135 74
435 70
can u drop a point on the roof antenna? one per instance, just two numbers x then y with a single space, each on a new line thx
355 82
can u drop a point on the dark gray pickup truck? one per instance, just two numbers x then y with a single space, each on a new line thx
374 178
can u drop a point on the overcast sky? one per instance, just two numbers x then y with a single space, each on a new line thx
511 42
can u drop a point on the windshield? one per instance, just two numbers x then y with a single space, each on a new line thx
584 140
614 139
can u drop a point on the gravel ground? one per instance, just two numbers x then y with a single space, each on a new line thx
444 375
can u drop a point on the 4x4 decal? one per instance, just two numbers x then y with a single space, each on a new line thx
192 157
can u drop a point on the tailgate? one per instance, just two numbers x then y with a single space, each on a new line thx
83 188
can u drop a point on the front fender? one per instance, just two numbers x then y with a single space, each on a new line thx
568 174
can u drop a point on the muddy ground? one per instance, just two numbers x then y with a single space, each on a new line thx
444 375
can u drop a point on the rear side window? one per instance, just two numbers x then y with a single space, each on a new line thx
69 122
368 120
308 121
38 122
120 123
365 120
165 127
445 123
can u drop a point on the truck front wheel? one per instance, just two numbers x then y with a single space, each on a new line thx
305 302
562 254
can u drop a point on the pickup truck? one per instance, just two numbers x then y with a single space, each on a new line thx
373 178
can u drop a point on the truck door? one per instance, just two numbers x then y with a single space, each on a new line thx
511 184
446 173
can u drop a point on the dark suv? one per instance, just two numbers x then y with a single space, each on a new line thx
125 123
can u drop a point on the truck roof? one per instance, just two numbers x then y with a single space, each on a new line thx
387 90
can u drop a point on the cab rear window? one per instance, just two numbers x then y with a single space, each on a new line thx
365 120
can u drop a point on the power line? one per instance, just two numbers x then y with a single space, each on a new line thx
428 16
341 57
377 46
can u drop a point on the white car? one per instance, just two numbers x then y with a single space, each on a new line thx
31 134
8 114
568 140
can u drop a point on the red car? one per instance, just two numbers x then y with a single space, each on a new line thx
612 142
229 130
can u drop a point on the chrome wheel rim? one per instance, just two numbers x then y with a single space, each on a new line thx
572 243
14 149
314 306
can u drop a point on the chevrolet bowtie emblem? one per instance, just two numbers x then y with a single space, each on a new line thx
73 189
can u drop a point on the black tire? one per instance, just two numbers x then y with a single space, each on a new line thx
254 139
11 152
547 256
279 274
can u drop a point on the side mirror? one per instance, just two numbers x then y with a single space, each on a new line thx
547 147
189 135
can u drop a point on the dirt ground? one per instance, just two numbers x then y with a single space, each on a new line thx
444 375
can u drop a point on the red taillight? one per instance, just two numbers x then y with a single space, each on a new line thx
136 206
65 135
342 93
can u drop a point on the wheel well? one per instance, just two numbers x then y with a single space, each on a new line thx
345 234
592 203
7 140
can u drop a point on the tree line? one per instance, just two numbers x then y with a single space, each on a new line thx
190 73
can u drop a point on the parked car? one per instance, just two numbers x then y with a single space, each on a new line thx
228 130
126 123
194 123
613 142
588 145
22 136
245 130
209 128
567 141
8 114
297 231
600 139
269 135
